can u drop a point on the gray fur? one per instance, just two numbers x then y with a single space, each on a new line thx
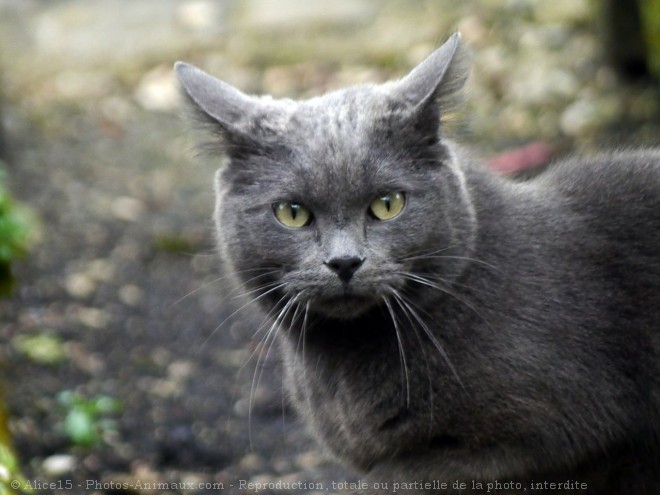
496 330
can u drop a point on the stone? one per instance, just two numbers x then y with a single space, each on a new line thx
58 464
287 14
80 285
93 317
563 11
131 295
586 115
200 15
127 208
158 91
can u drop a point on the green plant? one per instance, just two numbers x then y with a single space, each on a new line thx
651 24
15 223
15 228
45 347
12 481
85 419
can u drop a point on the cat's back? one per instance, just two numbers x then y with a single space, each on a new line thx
613 203
615 195
624 184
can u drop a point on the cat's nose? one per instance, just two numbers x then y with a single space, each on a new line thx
344 267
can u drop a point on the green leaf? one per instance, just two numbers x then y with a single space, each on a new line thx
80 428
104 404
84 423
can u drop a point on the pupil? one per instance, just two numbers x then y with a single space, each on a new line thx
294 210
386 202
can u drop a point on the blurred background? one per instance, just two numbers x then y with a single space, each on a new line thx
120 358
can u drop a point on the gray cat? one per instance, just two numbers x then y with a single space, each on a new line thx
442 327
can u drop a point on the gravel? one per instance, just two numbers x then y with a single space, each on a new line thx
122 292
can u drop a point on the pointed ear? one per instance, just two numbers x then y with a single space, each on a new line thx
437 78
215 98
239 123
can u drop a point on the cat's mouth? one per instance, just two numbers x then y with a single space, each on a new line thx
343 306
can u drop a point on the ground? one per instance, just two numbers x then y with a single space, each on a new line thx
122 295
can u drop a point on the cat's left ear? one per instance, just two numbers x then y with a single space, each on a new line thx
438 78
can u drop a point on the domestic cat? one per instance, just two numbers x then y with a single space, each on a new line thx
440 323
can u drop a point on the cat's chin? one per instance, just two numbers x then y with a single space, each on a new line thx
343 307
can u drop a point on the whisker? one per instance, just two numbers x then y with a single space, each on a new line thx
247 361
402 355
423 254
246 282
436 254
249 358
220 279
464 258
406 312
435 278
251 301
266 319
303 332
294 319
266 342
300 335
424 281
255 290
406 305
196 290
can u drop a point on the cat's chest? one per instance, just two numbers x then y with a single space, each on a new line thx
360 401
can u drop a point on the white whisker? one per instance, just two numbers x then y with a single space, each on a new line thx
220 279
405 380
267 343
424 281
464 258
423 255
437 255
409 307
435 278
398 299
254 290
251 301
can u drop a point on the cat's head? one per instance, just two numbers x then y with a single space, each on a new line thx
335 203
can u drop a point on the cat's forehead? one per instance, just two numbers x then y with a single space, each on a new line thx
337 150
341 128
346 110
328 149
334 137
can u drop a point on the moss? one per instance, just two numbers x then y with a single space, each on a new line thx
43 348
174 243
651 25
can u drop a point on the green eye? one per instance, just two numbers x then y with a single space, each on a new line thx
292 215
388 205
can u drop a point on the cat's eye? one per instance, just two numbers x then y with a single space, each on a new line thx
292 215
387 206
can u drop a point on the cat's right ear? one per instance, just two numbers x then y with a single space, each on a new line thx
216 99
228 113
